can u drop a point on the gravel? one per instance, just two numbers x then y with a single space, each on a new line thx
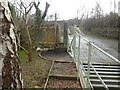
56 83
64 69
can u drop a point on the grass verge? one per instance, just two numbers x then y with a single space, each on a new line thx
34 73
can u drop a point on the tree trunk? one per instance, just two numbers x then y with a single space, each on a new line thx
10 69
28 39
45 12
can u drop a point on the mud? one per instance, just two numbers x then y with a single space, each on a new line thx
64 69
56 83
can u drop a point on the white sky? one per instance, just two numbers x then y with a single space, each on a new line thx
67 9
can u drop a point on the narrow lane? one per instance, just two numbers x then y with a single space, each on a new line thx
107 44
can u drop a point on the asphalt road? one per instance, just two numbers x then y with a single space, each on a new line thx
108 45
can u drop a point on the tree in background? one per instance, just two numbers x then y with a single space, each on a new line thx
25 10
38 16
22 22
98 11
100 24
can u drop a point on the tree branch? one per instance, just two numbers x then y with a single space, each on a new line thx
29 9
23 48
46 9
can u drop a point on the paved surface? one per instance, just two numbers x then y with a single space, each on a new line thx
57 56
108 45
97 56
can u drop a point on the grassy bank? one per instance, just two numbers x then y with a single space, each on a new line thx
34 73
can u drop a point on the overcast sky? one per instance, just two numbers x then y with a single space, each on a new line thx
67 9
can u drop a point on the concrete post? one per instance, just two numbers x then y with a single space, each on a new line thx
65 33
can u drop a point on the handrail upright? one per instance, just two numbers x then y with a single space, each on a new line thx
89 59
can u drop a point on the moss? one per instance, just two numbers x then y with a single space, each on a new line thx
34 73
22 56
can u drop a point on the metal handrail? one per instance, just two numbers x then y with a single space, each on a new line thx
90 45
107 54
101 50
96 73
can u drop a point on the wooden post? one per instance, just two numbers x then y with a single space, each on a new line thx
65 33
56 28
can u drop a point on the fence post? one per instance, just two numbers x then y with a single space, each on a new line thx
74 46
68 45
88 69
78 58
79 49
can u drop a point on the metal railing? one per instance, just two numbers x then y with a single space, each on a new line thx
74 49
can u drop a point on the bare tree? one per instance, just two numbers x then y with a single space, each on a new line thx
98 11
26 10
38 17
11 73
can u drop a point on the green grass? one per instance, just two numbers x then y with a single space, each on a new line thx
34 73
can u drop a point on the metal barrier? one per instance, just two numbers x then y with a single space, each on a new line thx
74 49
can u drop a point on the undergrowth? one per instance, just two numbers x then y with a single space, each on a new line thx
34 72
